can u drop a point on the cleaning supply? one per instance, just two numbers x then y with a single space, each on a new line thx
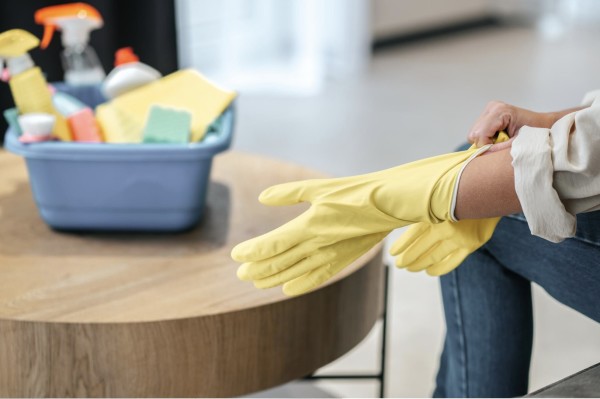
345 217
11 115
65 103
76 21
167 125
122 119
80 117
27 84
440 248
36 127
84 127
136 187
128 74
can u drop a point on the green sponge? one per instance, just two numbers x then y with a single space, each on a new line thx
167 125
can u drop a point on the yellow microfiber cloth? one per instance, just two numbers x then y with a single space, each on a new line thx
122 120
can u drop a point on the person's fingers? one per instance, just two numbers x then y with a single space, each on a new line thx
482 131
272 243
497 117
483 139
289 193
449 263
501 146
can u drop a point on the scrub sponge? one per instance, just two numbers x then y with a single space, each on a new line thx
122 119
167 125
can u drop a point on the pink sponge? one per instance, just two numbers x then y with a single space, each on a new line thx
84 127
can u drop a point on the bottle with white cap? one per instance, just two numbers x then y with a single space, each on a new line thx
129 73
75 21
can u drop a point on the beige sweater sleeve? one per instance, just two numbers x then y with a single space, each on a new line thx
557 171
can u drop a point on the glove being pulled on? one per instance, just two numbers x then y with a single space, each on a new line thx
347 217
440 248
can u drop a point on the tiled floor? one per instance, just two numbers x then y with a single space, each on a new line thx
419 101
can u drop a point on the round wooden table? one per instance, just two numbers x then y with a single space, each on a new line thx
152 315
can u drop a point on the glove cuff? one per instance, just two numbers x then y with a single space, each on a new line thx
458 176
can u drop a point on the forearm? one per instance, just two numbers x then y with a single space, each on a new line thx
487 187
554 116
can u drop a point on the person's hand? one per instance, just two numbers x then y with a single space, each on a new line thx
440 248
499 116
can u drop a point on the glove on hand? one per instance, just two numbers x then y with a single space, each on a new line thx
440 248
347 217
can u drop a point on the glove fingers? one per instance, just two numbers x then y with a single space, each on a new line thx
272 243
341 250
409 237
320 275
312 279
304 266
449 263
418 245
435 254
288 193
276 264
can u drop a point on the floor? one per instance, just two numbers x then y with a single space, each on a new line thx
419 101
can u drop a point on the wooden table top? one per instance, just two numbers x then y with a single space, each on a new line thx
105 277
153 315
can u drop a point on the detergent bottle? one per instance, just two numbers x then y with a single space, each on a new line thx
129 73
27 84
75 21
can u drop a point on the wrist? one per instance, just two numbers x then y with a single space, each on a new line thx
551 118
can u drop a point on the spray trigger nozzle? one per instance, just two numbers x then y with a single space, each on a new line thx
47 38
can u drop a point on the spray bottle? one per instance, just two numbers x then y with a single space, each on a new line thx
76 21
27 84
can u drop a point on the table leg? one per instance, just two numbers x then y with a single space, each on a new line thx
383 358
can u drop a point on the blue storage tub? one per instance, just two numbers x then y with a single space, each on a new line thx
136 187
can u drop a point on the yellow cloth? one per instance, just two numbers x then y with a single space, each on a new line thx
440 248
347 217
123 119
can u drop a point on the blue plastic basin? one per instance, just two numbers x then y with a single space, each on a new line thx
136 187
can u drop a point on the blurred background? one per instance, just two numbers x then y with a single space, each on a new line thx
352 86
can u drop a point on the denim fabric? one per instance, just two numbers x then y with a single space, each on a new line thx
488 308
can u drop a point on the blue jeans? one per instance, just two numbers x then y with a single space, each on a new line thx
488 309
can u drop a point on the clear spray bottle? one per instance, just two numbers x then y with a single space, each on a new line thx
75 21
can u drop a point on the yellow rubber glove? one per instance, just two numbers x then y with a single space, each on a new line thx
440 248
347 217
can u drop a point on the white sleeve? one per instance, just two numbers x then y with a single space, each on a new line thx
557 171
